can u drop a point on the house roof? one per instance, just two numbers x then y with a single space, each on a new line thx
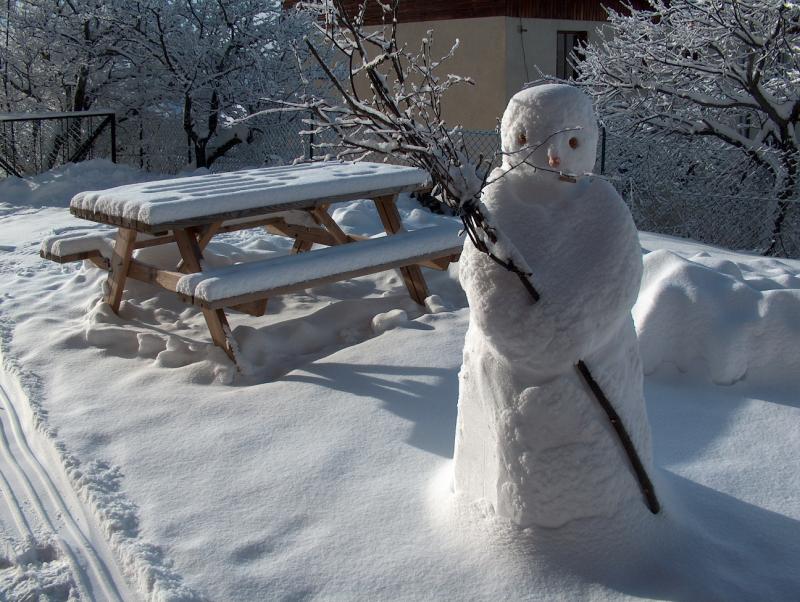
435 10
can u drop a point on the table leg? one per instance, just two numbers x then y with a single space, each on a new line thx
120 263
301 245
392 224
323 218
203 238
215 318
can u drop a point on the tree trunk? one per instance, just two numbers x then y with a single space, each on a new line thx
776 246
200 159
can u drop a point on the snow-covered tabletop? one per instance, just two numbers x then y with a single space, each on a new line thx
152 206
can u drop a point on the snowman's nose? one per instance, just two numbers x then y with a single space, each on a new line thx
553 161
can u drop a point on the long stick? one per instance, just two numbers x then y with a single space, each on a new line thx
633 457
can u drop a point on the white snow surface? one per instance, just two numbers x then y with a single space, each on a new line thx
736 316
185 198
54 188
327 473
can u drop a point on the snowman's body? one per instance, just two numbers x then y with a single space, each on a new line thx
531 439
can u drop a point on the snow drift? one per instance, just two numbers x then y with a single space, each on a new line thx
737 319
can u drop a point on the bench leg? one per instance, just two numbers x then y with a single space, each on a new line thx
118 268
392 224
215 318
301 245
322 217
203 238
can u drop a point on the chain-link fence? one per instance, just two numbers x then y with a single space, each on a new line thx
699 190
31 143
687 189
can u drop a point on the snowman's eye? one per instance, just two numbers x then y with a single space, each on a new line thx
522 139
573 142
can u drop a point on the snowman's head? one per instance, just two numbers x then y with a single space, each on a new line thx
551 126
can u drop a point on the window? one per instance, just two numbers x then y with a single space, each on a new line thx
567 43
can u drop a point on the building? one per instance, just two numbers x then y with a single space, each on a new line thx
503 44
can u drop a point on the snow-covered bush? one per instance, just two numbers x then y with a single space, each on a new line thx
725 71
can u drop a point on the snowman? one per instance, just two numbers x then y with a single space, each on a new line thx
532 440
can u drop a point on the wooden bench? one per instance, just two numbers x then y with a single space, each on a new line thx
247 282
77 246
290 201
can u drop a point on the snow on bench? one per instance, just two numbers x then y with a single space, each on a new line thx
165 204
77 245
240 283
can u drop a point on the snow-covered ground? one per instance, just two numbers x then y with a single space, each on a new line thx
325 472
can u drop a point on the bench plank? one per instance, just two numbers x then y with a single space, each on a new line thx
245 282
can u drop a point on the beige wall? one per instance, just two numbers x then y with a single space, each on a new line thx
539 39
480 55
491 52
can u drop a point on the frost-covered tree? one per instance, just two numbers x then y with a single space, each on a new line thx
725 70
174 69
216 61
55 55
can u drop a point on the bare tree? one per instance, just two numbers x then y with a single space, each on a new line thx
195 64
388 101
214 60
721 69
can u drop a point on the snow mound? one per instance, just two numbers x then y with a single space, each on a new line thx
389 320
738 319
56 187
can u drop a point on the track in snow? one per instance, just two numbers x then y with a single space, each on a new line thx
39 502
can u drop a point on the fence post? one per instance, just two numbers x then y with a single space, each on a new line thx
113 137
603 151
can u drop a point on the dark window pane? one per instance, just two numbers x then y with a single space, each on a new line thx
568 42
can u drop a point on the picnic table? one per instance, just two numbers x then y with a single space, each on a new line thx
291 201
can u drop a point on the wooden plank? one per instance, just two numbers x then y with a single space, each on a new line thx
441 263
70 257
312 235
163 240
151 274
253 308
338 277
118 268
301 246
215 318
256 223
207 233
154 242
416 11
412 275
165 227
204 236
323 218
101 262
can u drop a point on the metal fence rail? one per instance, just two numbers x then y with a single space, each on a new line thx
31 143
